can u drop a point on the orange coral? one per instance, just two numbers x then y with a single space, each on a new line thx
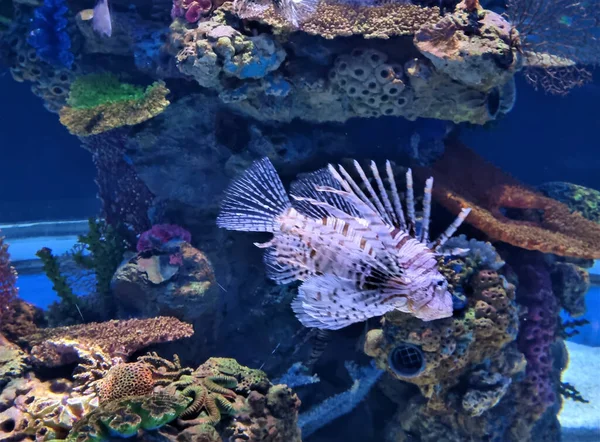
549 225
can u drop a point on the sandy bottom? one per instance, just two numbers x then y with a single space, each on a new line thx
581 422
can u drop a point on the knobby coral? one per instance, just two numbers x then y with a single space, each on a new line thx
100 102
541 223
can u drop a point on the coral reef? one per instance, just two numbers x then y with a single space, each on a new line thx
58 346
455 346
579 199
363 80
507 211
99 102
176 280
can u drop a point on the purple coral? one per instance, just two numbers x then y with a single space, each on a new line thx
8 282
192 10
538 330
161 234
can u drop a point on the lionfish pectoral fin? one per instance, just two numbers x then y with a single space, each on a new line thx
253 201
296 11
331 303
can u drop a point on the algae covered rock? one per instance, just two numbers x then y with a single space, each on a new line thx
179 281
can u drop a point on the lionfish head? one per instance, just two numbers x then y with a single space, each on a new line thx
440 300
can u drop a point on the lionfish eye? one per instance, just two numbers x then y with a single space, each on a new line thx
440 283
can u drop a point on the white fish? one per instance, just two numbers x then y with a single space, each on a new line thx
293 11
359 256
101 21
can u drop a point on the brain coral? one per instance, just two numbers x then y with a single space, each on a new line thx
123 380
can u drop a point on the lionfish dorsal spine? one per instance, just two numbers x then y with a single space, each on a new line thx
410 204
384 195
374 197
351 185
424 234
435 245
395 196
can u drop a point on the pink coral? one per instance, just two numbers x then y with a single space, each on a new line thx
161 234
192 10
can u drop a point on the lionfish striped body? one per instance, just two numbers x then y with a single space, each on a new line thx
357 253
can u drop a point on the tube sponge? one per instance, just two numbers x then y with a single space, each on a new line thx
49 35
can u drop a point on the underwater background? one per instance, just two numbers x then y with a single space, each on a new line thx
134 316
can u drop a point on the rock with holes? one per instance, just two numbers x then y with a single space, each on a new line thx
434 355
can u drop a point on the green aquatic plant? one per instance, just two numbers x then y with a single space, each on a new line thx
65 311
100 250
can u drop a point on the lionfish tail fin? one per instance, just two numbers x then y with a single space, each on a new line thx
330 302
296 12
253 201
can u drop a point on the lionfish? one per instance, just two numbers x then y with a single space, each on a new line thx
358 255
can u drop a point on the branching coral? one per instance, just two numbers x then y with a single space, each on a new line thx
55 346
543 224
100 102
556 34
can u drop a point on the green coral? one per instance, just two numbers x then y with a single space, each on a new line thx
92 90
124 417
100 102
579 198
